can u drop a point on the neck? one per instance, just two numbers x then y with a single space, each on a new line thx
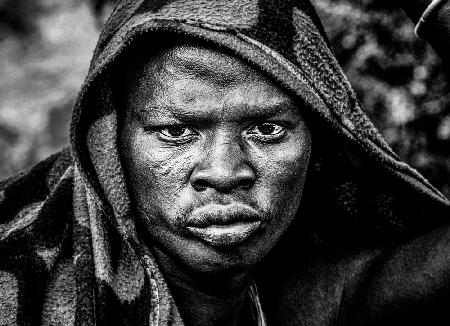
205 298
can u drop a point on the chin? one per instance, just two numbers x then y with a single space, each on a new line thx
204 258
198 256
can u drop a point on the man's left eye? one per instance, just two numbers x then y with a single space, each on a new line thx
267 130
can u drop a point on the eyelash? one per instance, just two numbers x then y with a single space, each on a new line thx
193 134
281 131
168 138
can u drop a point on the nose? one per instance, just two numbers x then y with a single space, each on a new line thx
223 166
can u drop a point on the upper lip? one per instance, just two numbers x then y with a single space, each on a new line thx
219 214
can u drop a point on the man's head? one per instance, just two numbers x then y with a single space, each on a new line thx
215 155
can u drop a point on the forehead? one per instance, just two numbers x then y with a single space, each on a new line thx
192 77
195 61
191 61
207 64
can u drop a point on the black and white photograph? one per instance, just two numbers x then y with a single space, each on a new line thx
224 162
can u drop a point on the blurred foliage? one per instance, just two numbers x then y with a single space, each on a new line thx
18 17
45 47
399 79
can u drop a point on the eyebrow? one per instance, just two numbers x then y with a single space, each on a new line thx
252 112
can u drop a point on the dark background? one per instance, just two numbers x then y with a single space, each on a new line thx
46 45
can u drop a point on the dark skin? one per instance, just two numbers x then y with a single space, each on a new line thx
219 152
215 156
206 299
210 280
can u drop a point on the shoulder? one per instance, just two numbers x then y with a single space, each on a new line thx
406 283
49 169
35 219
410 284
31 194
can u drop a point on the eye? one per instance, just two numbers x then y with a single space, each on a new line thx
267 131
176 133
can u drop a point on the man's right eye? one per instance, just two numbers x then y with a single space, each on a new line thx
176 133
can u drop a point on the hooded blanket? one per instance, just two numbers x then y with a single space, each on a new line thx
370 244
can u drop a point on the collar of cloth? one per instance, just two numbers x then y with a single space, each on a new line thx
70 251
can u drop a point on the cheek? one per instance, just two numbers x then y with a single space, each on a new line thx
159 176
282 176
279 193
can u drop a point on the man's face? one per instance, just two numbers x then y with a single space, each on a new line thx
215 156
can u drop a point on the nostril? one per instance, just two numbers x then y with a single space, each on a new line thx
246 184
223 169
200 184
223 182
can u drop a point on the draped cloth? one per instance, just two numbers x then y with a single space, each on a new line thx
369 241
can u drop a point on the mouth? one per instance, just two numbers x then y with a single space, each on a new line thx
223 225
225 235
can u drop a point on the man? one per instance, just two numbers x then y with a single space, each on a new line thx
221 172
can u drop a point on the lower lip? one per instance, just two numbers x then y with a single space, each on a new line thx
225 235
